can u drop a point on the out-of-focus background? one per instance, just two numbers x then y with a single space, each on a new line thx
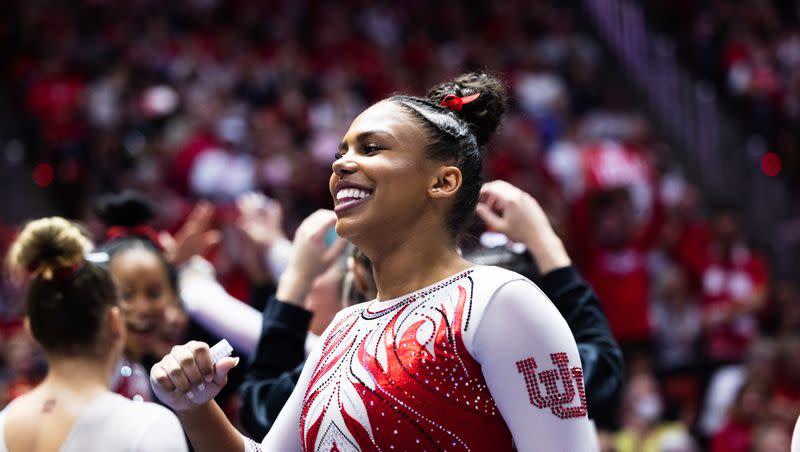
661 137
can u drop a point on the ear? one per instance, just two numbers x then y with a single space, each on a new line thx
446 183
26 323
115 323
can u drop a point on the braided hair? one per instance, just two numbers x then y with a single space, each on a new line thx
459 136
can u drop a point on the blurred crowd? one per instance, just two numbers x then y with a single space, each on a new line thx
751 49
208 100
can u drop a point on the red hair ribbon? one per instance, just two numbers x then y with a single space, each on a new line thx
455 103
56 275
141 231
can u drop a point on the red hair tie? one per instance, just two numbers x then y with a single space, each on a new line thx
455 103
66 272
142 231
59 274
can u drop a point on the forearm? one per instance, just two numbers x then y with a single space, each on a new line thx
225 316
209 430
547 251
293 287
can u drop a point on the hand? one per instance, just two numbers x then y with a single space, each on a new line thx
186 378
196 270
248 255
195 237
261 219
509 210
310 257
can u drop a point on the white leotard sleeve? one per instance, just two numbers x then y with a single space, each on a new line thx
796 437
207 303
519 342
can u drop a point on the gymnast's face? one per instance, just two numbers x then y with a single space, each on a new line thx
145 293
382 179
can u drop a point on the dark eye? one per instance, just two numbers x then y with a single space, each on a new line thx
153 293
371 148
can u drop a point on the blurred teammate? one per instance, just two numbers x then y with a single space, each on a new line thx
142 261
72 310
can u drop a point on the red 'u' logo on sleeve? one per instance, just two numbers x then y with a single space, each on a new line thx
556 399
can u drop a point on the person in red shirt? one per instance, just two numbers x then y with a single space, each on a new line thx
615 262
734 283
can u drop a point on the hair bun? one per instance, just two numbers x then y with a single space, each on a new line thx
47 245
484 113
127 209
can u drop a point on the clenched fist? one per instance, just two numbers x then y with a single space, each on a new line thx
187 377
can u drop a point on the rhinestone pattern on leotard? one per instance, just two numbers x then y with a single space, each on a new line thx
401 379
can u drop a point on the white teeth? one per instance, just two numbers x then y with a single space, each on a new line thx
351 193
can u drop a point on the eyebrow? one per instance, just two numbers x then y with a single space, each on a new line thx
363 135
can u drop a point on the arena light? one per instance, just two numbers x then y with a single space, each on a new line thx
43 175
771 164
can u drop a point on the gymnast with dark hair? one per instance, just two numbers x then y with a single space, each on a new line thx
146 282
450 355
72 310
142 262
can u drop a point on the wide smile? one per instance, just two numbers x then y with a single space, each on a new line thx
350 196
143 329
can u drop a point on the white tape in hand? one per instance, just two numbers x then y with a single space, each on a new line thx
220 350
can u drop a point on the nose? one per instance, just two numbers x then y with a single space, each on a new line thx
344 165
141 306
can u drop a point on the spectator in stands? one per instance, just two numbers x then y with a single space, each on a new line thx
734 290
760 365
747 411
771 437
784 399
676 331
643 425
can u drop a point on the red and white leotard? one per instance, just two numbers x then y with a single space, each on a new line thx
479 361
